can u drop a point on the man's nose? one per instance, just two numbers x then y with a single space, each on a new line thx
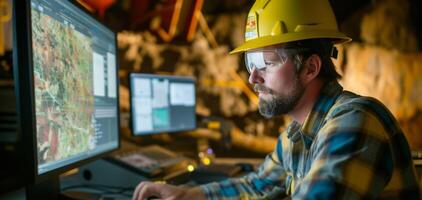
255 77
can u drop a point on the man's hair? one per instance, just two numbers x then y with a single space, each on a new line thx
323 48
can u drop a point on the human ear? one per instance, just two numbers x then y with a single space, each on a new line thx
312 68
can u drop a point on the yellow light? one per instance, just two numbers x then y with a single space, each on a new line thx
191 168
70 172
214 125
206 161
160 182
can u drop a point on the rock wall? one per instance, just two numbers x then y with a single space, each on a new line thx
387 64
393 77
220 93
388 24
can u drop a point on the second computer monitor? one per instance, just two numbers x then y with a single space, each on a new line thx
162 104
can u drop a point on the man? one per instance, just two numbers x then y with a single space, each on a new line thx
339 146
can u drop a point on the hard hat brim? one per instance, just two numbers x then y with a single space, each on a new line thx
261 42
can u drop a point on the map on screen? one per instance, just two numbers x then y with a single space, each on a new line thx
63 85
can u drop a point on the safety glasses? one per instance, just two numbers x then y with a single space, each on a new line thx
265 60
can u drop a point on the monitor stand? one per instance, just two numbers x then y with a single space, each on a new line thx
79 195
50 189
47 189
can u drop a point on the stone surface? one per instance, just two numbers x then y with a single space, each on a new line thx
219 92
393 77
388 25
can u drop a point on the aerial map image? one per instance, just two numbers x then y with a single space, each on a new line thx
63 89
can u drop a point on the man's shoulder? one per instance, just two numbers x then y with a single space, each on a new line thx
355 113
351 102
352 110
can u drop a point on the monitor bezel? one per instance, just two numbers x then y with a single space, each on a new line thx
149 75
24 83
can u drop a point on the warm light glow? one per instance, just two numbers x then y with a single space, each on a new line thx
191 168
214 125
160 182
206 161
70 172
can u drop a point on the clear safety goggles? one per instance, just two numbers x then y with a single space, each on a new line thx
265 60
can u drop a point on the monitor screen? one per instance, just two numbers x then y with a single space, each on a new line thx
162 103
74 85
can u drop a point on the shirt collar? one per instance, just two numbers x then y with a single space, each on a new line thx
307 132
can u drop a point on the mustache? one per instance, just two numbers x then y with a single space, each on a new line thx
261 88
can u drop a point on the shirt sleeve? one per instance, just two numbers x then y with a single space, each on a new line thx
265 183
351 158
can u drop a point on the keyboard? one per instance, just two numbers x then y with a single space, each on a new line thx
151 160
205 174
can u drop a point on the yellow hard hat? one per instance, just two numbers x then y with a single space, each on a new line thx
272 22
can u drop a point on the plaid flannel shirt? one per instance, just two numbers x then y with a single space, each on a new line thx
349 147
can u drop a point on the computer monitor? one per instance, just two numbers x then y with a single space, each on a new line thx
161 104
67 86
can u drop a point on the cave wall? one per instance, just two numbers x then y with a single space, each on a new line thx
383 60
386 63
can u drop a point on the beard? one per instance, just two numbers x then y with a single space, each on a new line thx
279 104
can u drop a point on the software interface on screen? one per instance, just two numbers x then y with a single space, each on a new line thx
162 103
75 84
